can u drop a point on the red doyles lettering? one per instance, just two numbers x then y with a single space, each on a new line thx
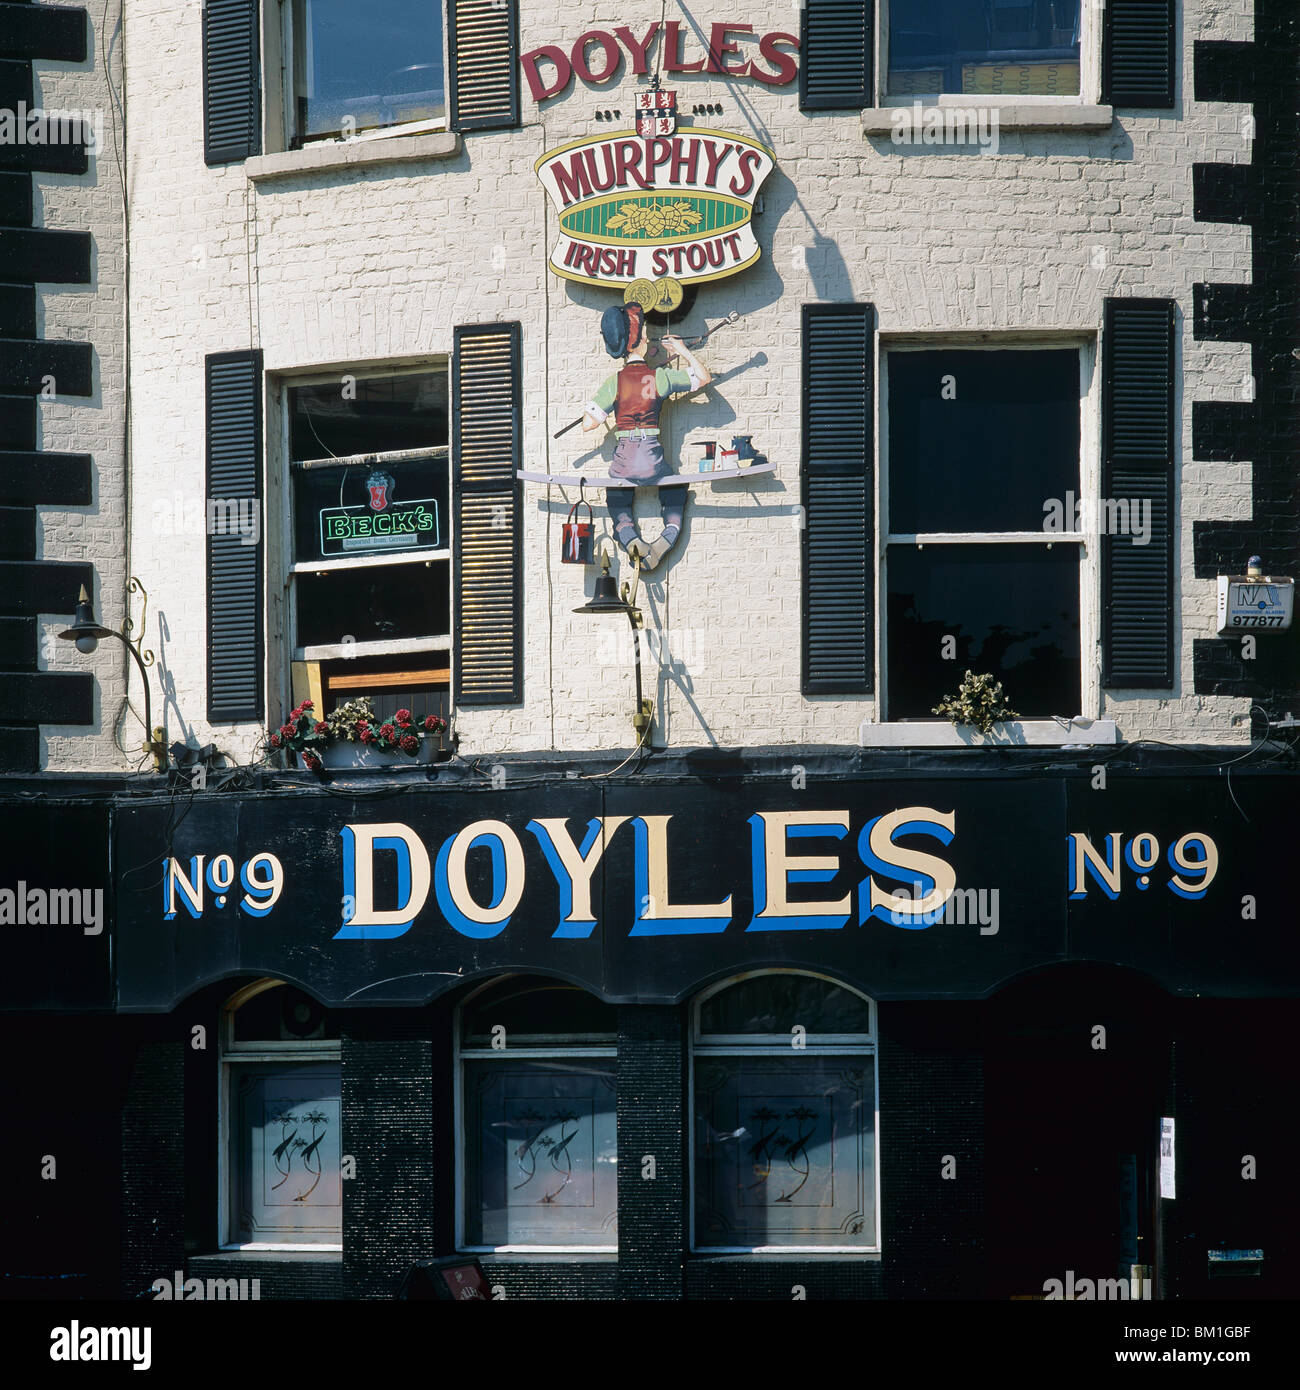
639 51
785 65
536 83
672 50
719 47
613 58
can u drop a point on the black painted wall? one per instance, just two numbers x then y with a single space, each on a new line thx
1265 195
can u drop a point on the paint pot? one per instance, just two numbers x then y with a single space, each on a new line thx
710 448
743 444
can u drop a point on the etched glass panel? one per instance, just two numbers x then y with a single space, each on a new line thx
542 1157
285 1154
784 1151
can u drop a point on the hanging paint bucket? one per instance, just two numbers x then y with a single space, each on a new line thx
743 444
577 538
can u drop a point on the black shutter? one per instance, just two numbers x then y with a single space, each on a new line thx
232 105
487 501
1137 466
836 42
838 499
1137 65
234 429
483 49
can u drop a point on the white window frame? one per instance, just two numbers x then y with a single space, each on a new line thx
435 642
746 1045
1089 488
1090 39
525 1052
288 112
232 1055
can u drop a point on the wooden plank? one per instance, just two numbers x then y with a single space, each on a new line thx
351 681
674 480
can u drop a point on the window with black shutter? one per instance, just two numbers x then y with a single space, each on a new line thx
838 493
1138 54
483 49
232 103
985 533
1137 465
234 536
370 578
488 505
836 41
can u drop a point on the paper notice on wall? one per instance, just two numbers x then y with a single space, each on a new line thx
1167 1187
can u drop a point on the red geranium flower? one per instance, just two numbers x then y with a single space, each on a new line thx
386 731
287 731
368 737
321 727
434 724
274 740
410 744
403 716
311 761
307 704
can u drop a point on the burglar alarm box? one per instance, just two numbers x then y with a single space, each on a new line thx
1259 604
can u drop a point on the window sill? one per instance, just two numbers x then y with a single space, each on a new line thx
347 154
1028 733
1019 114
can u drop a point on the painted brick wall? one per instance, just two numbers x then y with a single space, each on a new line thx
372 266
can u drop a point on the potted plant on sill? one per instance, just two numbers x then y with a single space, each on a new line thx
354 736
978 703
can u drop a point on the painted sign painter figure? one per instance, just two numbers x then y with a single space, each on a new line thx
634 395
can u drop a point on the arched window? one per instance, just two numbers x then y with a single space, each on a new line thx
783 1095
280 1090
538 1153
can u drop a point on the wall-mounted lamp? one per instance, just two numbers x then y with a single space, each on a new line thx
86 633
606 598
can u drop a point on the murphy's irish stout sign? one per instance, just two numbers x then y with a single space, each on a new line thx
640 206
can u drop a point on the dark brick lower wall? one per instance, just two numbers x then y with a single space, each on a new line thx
388 1121
280 1276
153 1159
740 1277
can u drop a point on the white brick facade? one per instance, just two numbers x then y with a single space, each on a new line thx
363 267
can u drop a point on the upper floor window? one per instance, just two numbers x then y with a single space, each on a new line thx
281 1104
984 47
371 557
983 454
539 1158
358 70
784 1138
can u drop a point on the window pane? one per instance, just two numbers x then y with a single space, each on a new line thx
541 1161
1013 609
784 1151
368 415
285 1153
381 604
776 1003
369 510
986 459
379 65
528 1007
1012 47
